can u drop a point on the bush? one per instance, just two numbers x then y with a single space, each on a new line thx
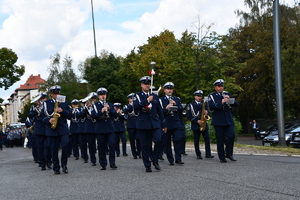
211 131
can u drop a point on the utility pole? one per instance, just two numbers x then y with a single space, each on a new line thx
95 46
278 77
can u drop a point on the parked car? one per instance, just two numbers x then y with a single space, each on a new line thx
295 138
287 128
273 138
265 132
273 129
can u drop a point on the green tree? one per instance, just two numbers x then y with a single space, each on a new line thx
71 84
9 72
23 115
102 71
254 49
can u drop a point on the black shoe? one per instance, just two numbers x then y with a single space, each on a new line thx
156 166
148 169
94 164
49 165
185 154
43 168
199 157
103 168
56 172
85 161
223 161
209 156
76 158
161 158
140 156
36 161
179 162
118 155
125 154
65 169
134 157
231 158
171 163
113 166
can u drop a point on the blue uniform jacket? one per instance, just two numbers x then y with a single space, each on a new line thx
148 118
193 113
172 117
39 125
75 118
89 122
131 116
118 123
81 122
221 114
103 123
47 113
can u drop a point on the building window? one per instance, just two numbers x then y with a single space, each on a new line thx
28 85
37 85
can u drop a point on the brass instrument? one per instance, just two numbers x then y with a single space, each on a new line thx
105 104
31 128
170 110
204 117
55 116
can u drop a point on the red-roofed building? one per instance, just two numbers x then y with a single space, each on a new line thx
22 95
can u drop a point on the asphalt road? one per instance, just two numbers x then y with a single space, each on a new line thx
251 177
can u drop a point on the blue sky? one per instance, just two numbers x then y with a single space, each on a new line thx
37 29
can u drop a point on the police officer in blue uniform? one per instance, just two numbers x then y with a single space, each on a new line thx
172 109
222 120
119 127
74 128
104 113
42 142
59 135
82 136
149 124
194 113
134 140
89 136
31 138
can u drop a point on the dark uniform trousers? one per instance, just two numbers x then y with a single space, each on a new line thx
91 141
83 146
118 136
74 144
146 138
43 149
134 142
225 135
132 133
177 136
205 135
55 142
104 140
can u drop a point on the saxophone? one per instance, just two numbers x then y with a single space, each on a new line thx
204 117
55 116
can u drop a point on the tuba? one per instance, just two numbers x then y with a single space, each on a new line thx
204 117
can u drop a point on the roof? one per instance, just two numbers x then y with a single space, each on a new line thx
33 82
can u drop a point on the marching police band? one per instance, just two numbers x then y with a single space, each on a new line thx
148 119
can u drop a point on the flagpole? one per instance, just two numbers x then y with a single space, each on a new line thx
152 73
